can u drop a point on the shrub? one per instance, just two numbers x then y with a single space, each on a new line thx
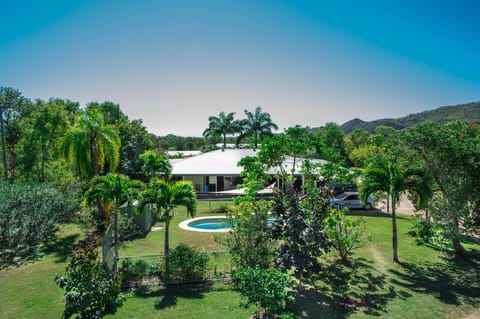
345 233
28 214
90 291
187 264
265 288
134 270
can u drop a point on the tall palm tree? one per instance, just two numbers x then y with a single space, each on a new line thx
155 165
221 126
91 145
387 176
257 125
166 196
112 191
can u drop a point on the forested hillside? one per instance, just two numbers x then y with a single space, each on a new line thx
465 112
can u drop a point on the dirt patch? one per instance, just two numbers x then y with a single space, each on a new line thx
474 315
404 207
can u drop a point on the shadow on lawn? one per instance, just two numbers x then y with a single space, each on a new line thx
60 247
454 282
340 290
168 296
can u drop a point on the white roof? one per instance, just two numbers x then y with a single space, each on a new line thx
225 162
183 153
220 162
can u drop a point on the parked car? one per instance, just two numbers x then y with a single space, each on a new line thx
352 201
338 188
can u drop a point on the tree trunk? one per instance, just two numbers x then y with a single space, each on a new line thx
116 238
4 146
42 169
166 248
394 233
460 252
94 155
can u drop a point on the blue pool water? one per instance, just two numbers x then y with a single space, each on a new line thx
215 224
211 224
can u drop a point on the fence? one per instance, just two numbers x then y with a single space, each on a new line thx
138 271
108 255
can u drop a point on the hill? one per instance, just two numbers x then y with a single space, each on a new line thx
465 112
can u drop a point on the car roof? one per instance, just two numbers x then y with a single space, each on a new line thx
350 193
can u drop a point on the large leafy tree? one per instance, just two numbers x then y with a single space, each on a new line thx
166 196
450 154
385 175
220 126
91 145
112 191
257 125
135 140
50 123
12 107
333 140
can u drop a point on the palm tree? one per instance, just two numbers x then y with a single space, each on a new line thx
112 191
166 196
91 145
221 126
257 125
387 176
155 165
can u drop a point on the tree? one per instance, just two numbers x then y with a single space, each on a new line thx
112 114
450 154
257 125
387 176
12 103
91 145
112 191
155 165
265 288
302 234
333 143
49 125
166 196
135 140
345 232
221 126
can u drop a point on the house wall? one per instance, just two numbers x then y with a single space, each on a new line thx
214 183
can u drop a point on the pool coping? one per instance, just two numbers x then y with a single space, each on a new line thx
184 225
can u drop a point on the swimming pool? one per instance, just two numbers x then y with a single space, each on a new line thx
210 224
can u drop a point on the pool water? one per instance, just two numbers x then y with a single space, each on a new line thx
211 224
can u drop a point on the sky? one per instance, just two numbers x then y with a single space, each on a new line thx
175 63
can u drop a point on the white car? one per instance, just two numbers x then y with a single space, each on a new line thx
352 201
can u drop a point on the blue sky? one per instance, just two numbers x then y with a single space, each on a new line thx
174 63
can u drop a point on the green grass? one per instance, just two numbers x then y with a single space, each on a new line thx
427 284
152 243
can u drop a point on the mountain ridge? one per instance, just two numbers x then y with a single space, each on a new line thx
469 112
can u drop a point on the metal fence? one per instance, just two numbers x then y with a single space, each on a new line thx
136 271
108 255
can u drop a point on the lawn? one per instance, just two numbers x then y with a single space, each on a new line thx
427 284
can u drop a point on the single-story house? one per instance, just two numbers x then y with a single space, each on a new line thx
218 171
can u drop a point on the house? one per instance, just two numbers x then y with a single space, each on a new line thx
218 171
